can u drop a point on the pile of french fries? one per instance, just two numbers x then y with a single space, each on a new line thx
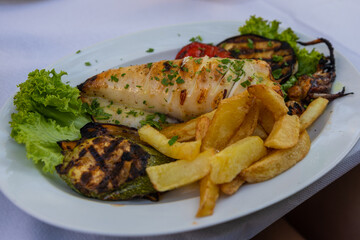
248 138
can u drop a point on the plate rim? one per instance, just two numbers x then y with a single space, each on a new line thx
319 174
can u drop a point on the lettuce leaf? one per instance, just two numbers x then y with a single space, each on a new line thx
47 111
307 60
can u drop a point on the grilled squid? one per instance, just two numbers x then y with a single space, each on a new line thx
180 89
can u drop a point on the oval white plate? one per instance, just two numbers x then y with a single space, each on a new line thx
49 199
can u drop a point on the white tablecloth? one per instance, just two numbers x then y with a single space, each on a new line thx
36 33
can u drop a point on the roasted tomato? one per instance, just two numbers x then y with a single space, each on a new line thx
197 49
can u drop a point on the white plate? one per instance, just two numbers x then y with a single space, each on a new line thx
49 199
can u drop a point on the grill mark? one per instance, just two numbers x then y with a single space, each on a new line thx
202 96
82 86
126 156
224 94
85 178
183 96
98 158
167 66
111 148
115 172
82 152
60 170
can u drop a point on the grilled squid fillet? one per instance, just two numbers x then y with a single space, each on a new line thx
181 89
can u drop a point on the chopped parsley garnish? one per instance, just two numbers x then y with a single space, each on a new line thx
173 140
126 86
225 61
117 122
149 65
144 102
288 84
78 51
138 86
277 73
198 38
150 120
245 84
277 58
87 64
132 112
229 78
113 79
269 43
198 61
165 82
250 43
150 50
95 110
118 111
123 74
179 80
185 69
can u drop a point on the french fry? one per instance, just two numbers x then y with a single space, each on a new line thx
202 127
312 112
277 161
228 163
249 124
209 193
231 187
181 172
285 133
177 150
185 131
228 117
271 99
259 131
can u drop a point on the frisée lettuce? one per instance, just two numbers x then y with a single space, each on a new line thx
48 111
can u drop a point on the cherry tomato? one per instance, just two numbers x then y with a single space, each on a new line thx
197 49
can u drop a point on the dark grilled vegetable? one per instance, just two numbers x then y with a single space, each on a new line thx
278 54
109 163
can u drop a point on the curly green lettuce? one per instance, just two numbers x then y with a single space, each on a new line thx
307 60
48 111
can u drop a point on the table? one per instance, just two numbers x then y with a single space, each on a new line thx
36 33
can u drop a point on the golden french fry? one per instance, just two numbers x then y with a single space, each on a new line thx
312 112
271 99
259 131
277 161
185 131
285 133
209 193
231 187
181 172
248 125
177 150
228 163
202 127
228 117
266 118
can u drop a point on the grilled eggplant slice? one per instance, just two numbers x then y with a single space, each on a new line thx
106 165
278 54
